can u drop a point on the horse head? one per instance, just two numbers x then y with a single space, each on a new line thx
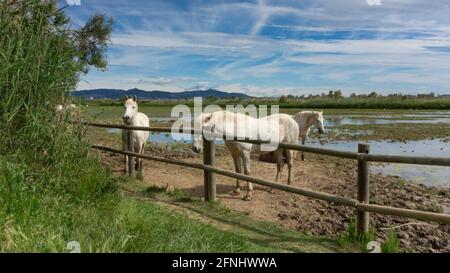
131 109
318 121
200 122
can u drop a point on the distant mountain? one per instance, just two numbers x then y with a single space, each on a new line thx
142 94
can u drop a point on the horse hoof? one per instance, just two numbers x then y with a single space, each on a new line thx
248 198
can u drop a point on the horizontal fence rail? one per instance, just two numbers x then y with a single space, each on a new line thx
409 213
362 156
433 161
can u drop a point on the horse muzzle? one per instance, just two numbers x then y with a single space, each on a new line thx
126 119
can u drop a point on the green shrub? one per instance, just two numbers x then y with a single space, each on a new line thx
52 189
350 235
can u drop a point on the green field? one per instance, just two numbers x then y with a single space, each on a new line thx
391 102
115 112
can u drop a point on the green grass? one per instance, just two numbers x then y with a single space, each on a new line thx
386 102
350 237
114 113
267 236
156 229
35 221
391 244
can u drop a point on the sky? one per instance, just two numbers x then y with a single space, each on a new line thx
273 48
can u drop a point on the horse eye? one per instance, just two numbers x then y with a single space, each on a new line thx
134 107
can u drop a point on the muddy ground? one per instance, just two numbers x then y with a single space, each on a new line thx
331 175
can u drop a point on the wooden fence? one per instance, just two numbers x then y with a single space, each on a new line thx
363 156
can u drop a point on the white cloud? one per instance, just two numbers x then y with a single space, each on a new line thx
225 37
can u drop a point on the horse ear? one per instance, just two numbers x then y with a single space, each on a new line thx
135 98
125 98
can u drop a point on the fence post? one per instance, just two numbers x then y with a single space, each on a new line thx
363 217
209 177
131 165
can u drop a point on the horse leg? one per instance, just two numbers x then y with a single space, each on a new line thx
125 148
136 149
140 162
289 159
238 166
141 166
246 160
303 143
280 163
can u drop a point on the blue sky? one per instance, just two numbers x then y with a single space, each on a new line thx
272 48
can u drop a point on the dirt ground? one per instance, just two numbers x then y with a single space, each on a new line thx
331 175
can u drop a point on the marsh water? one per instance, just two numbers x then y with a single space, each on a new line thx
428 175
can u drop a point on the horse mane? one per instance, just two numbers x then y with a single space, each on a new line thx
301 118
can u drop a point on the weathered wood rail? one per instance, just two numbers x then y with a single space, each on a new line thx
362 205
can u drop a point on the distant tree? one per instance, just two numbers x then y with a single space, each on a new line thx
373 95
337 94
396 95
283 99
92 42
330 93
353 95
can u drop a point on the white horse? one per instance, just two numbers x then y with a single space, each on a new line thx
305 120
68 111
59 108
228 123
68 108
134 118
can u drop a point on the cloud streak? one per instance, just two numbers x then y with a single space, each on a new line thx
274 47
